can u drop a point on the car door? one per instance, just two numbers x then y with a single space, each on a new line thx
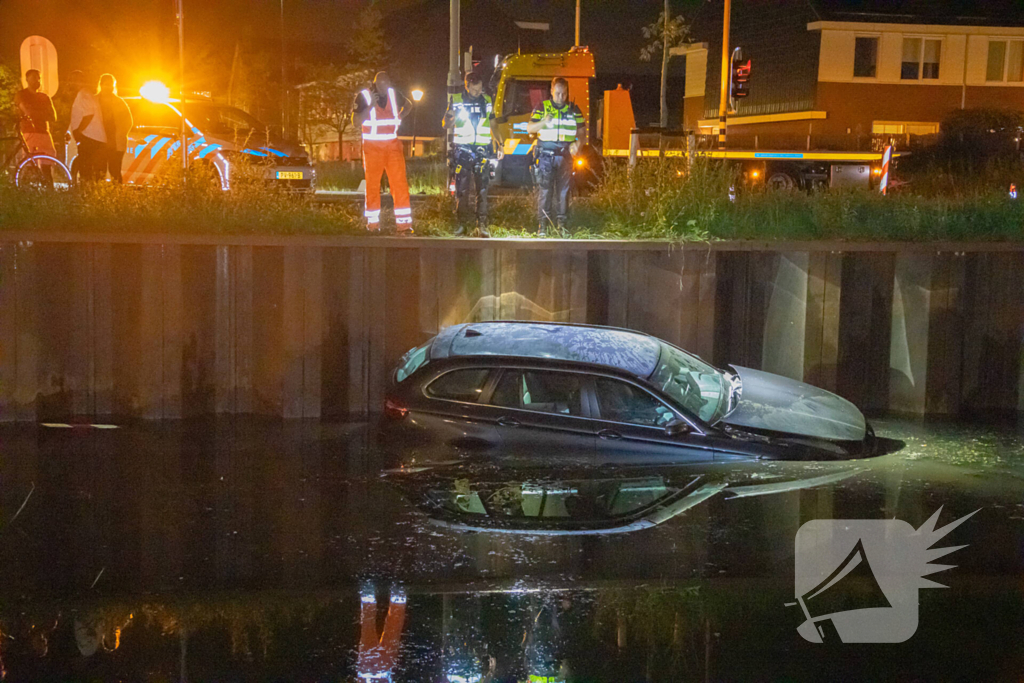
630 426
453 413
154 139
543 417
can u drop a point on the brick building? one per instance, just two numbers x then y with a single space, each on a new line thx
826 75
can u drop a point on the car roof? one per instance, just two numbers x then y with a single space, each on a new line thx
624 350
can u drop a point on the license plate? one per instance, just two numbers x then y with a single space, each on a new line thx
289 175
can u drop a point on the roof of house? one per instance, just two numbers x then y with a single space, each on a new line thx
936 12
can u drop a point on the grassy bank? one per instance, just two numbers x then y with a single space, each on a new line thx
660 200
426 175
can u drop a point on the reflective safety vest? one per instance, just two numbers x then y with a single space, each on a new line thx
562 126
383 123
467 111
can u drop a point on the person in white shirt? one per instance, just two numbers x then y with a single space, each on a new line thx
88 129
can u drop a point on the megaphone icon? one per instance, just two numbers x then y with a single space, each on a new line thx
851 586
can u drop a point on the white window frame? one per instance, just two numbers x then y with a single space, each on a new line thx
920 56
878 53
1006 40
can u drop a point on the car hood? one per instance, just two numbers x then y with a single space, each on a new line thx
780 404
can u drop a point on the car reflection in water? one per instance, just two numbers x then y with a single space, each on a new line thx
597 502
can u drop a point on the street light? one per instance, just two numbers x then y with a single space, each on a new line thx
417 95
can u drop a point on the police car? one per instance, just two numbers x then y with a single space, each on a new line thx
220 137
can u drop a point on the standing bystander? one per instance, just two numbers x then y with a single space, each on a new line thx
36 114
87 127
117 122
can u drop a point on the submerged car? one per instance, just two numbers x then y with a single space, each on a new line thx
221 139
560 393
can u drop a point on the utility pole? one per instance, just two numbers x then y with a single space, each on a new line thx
723 102
577 23
454 80
454 50
664 68
179 6
284 80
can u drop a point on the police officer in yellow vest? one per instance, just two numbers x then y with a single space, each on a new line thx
471 117
559 125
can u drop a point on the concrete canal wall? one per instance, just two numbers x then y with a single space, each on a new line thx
172 327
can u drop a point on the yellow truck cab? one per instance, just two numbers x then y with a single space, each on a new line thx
523 81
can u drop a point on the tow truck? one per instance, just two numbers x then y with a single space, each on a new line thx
523 81
773 168
520 83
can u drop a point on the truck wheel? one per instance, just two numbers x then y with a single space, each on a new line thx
780 180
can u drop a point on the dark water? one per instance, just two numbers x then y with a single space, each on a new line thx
237 550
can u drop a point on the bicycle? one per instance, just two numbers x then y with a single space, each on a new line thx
35 171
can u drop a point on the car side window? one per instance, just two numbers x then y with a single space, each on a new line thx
540 391
623 402
459 385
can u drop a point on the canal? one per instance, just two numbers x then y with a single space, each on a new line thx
248 549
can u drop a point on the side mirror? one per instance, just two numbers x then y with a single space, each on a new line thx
678 428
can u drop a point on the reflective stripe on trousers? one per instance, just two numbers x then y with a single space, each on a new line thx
379 158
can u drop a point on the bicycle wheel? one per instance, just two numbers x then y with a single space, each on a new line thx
42 173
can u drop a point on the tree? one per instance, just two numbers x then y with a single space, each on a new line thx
664 34
326 101
367 45
10 83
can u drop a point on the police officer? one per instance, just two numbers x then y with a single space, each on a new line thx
560 127
470 115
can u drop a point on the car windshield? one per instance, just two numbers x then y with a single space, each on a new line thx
215 119
692 383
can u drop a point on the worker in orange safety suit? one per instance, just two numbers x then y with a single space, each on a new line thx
378 113
378 656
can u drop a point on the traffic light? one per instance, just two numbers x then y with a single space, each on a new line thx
740 79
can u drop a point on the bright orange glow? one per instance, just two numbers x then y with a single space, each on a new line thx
876 171
155 91
756 174
580 162
417 95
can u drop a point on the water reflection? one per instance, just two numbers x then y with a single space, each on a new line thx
246 550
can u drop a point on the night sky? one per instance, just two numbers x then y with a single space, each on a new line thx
137 39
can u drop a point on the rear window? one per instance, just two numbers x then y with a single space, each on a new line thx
412 361
459 385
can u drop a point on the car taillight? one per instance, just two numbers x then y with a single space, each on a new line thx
394 409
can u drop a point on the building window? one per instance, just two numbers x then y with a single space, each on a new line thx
865 57
921 58
932 55
904 128
1005 61
911 68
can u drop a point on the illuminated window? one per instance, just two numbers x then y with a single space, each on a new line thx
1005 61
904 127
921 57
865 57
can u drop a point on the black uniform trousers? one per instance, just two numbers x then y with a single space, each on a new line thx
471 166
554 179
